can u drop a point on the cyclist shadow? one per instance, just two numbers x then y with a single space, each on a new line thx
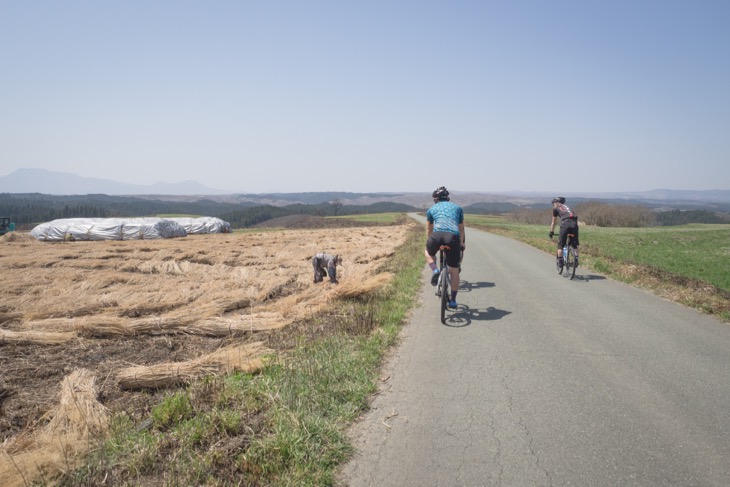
466 286
464 316
588 278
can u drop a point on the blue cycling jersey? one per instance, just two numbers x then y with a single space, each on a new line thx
446 217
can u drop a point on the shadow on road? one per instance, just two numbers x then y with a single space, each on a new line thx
464 316
589 277
466 286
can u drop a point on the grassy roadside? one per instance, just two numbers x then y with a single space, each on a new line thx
284 426
688 264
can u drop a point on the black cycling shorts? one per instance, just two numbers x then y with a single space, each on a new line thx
568 226
437 239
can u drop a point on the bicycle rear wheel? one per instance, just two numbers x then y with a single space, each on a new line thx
570 263
445 278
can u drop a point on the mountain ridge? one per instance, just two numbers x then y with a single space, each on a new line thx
33 180
60 183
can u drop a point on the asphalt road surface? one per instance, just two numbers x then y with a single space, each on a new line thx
538 380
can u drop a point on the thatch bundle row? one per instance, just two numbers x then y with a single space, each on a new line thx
35 337
101 326
77 423
353 289
5 316
241 358
165 286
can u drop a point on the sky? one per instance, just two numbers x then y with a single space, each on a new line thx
370 96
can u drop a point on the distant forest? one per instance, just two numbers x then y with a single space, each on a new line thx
602 214
677 217
28 210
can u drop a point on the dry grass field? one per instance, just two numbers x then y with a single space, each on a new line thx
92 327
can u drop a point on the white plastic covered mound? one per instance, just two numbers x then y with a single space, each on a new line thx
71 229
205 224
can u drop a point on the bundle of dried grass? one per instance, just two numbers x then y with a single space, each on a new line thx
58 447
6 316
35 337
114 326
79 413
314 298
19 237
110 326
352 289
106 326
244 358
238 324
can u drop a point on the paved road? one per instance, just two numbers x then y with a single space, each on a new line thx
544 381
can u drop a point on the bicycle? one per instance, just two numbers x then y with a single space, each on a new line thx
443 285
570 260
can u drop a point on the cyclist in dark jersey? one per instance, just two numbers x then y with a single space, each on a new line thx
445 227
568 224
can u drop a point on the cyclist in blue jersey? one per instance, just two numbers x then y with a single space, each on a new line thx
445 227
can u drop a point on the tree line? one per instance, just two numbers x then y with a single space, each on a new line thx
677 217
28 210
604 214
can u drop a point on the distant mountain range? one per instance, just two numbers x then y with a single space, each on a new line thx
60 183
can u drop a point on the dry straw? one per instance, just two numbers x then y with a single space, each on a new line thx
204 285
71 429
214 326
18 237
35 337
353 289
242 358
6 316
208 285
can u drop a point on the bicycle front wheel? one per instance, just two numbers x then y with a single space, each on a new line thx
445 278
570 263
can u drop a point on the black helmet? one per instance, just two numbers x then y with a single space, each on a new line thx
559 199
441 194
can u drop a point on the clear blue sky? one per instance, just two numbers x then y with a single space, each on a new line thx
259 96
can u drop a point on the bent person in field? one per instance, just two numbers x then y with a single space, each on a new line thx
326 265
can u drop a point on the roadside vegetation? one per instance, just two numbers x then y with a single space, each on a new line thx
285 425
689 264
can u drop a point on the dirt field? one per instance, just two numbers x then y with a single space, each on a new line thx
111 306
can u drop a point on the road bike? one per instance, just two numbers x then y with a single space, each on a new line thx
570 259
443 285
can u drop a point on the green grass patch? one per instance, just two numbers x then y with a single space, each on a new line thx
698 251
685 256
284 426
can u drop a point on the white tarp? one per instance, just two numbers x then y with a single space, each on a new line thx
71 229
205 224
